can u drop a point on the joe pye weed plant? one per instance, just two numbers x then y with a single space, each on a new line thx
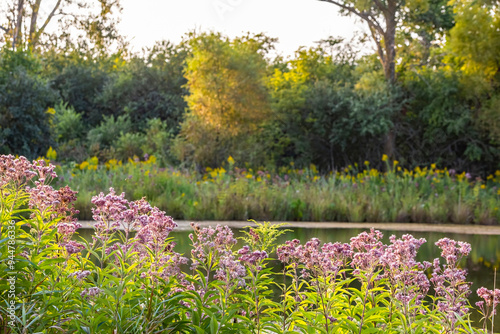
129 279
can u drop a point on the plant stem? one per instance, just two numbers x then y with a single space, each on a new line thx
323 305
364 303
493 312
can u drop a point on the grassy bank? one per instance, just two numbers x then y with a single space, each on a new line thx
357 193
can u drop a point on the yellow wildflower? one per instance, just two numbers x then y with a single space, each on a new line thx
51 154
84 165
385 157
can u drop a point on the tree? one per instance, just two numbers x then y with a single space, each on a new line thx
384 19
23 24
228 101
151 86
474 52
321 115
25 101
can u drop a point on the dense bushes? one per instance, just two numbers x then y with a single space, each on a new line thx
211 97
25 106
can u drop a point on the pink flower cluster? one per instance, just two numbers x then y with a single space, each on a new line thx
319 261
252 258
450 282
152 225
490 302
15 170
45 202
91 292
452 251
368 250
406 276
212 250
154 229
218 242
111 212
58 204
80 275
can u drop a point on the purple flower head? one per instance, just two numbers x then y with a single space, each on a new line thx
90 292
230 271
406 276
367 250
44 171
109 211
217 242
491 298
252 258
15 170
450 282
73 247
80 275
452 251
317 261
155 231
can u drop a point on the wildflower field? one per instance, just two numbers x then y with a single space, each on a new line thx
354 194
124 282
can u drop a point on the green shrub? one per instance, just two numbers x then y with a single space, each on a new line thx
25 101
67 123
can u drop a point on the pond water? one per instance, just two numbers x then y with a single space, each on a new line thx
481 263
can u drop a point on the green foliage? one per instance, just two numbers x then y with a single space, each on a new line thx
129 145
355 194
322 112
441 125
110 129
67 123
228 101
149 87
158 140
80 84
118 282
25 99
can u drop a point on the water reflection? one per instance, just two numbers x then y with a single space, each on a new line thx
484 257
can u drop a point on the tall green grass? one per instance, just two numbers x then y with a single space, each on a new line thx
355 194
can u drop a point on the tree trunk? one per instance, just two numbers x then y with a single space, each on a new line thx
19 24
390 44
34 16
390 68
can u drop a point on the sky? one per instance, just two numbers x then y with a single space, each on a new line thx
294 22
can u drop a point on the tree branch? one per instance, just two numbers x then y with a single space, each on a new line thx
4 29
40 31
379 48
35 8
380 5
365 16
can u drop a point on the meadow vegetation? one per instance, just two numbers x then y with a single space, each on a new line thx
234 192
